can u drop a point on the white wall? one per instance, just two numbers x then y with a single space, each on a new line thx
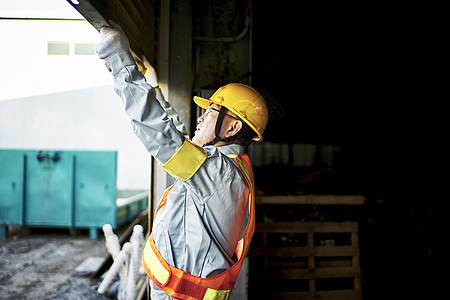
89 119
61 102
27 70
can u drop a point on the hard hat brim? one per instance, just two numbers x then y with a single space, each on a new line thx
202 102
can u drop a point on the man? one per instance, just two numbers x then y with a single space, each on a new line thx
197 244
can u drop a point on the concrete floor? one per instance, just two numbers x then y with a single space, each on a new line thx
41 265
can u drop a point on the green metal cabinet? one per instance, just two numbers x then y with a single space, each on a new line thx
74 189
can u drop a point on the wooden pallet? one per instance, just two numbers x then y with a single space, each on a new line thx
321 261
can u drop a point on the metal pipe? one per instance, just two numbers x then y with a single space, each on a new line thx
116 266
134 263
111 241
227 39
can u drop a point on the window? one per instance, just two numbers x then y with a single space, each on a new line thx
70 48
58 48
84 49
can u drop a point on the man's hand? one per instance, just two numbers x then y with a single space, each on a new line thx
112 41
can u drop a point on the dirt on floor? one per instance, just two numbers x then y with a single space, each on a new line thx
40 264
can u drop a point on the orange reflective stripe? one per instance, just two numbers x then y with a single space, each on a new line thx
163 199
239 249
181 285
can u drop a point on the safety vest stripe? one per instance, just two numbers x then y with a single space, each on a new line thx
244 169
212 294
155 265
249 174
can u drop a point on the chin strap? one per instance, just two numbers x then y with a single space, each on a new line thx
219 122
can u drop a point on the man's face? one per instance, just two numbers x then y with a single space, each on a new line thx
206 125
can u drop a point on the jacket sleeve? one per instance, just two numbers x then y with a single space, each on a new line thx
149 120
170 111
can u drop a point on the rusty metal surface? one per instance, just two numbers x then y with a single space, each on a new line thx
221 42
138 18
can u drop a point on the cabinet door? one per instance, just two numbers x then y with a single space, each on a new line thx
11 186
95 188
49 188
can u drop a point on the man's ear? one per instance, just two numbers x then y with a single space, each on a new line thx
233 128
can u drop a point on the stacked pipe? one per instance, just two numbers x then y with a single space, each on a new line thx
127 263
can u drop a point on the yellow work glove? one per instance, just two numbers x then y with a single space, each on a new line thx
150 73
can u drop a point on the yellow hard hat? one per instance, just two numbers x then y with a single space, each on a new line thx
242 100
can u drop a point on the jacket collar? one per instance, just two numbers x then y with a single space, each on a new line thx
231 149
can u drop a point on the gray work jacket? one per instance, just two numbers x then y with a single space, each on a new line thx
198 229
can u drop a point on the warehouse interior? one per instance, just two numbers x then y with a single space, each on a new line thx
327 73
